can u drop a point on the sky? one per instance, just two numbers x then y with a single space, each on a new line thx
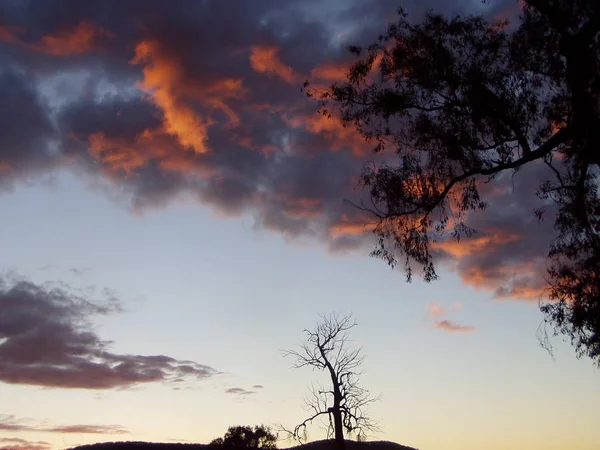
172 217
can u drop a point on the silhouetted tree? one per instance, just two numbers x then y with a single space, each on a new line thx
344 402
247 437
462 100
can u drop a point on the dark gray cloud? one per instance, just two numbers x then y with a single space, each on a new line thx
46 339
116 117
26 132
154 100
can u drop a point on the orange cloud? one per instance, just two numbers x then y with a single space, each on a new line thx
303 207
116 155
331 71
264 59
340 137
82 38
522 281
452 327
524 293
348 226
215 95
162 77
469 246
166 83
119 156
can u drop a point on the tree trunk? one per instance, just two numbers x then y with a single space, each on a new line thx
339 428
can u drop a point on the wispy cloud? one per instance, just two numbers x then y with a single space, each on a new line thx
11 423
89 429
23 444
452 327
436 310
240 391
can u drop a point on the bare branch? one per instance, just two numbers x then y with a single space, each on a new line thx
344 402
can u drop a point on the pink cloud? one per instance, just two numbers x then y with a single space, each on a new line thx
451 327
434 309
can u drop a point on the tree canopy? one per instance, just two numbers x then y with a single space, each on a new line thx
247 437
462 100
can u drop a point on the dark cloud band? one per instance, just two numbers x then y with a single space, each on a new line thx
202 99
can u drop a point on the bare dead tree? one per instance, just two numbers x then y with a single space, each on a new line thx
344 402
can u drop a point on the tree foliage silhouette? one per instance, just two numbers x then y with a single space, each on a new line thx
344 402
463 100
238 437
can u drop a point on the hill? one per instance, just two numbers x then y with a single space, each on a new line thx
316 445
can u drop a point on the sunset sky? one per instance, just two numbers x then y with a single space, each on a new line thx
172 217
